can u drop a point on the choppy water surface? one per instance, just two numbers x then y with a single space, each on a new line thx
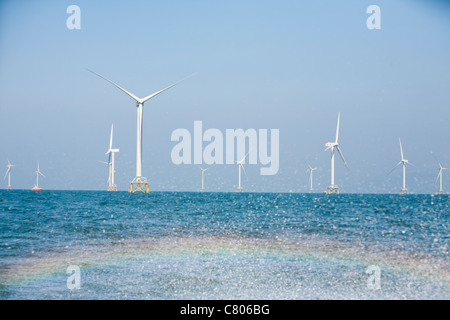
168 245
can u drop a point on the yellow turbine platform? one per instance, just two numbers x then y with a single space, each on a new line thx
332 190
139 184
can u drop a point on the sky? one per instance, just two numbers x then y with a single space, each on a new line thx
287 65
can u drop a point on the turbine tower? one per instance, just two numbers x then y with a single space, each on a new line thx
441 190
111 185
311 169
8 173
36 187
402 162
241 167
334 146
203 179
139 183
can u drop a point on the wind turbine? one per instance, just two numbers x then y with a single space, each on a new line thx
311 169
402 162
139 183
38 172
241 167
334 145
111 152
203 179
441 190
8 173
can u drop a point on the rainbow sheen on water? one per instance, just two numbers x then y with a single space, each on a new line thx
175 245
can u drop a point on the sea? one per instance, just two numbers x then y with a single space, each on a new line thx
187 245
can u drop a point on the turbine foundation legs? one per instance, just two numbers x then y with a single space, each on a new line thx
332 190
139 184
404 191
112 188
240 189
8 188
311 191
441 192
202 190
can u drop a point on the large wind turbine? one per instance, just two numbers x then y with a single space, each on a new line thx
111 185
334 145
441 190
139 183
311 169
403 162
36 187
8 173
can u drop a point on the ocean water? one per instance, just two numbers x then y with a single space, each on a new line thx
169 245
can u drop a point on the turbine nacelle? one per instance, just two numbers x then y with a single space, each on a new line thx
331 145
112 150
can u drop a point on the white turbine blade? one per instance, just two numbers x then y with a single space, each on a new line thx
103 162
41 174
7 171
111 137
166 88
327 148
245 156
337 129
401 148
117 86
244 171
439 174
342 156
395 167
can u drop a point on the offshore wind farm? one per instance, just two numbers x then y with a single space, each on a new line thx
231 191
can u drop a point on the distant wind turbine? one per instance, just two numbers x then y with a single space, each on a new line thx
139 183
241 167
402 162
311 169
38 172
111 185
8 173
203 179
441 169
334 145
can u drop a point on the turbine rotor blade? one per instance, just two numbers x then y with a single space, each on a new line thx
401 148
111 137
244 171
166 88
117 86
337 129
395 167
342 156
7 171
439 174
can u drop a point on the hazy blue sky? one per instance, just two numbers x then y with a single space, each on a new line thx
287 65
